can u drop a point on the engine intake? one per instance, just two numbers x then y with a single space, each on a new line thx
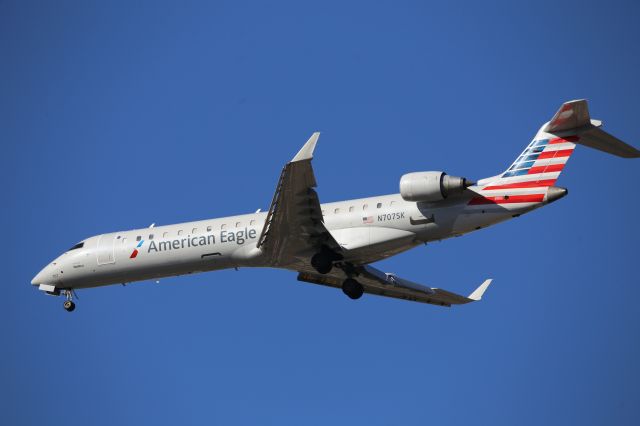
431 186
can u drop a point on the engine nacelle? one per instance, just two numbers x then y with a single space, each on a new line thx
431 186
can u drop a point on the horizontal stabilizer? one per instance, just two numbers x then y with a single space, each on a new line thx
597 138
572 119
571 115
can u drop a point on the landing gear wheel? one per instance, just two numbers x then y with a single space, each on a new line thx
69 306
321 262
352 288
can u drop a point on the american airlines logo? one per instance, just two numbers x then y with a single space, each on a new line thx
134 253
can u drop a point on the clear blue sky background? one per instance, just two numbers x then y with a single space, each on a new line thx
114 115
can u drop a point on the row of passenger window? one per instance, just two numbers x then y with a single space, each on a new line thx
352 208
194 231
253 222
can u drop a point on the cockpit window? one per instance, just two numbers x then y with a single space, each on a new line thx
77 246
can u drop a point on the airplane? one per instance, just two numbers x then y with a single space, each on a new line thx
334 244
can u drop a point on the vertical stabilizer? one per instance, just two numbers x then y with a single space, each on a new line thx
530 176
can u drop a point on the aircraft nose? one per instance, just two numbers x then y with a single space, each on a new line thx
38 279
43 276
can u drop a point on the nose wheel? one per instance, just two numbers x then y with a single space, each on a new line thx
68 304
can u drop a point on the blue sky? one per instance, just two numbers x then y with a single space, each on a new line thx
114 115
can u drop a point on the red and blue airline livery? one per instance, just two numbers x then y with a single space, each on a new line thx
135 252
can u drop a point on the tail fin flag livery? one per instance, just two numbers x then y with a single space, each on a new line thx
334 244
539 166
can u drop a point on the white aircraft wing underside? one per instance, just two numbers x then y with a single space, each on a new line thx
380 283
294 225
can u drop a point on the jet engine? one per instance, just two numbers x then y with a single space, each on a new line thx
431 186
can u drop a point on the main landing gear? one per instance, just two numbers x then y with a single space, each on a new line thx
352 288
68 304
322 263
323 260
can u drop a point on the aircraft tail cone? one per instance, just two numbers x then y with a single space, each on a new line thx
555 193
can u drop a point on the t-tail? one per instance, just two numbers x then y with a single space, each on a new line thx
532 176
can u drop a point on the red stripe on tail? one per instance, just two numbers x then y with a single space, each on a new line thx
555 154
507 199
546 169
565 139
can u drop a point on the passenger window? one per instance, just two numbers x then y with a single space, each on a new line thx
336 211
238 224
393 202
351 208
164 235
180 232
365 206
252 222
138 238
223 226
151 236
379 205
124 240
194 231
209 228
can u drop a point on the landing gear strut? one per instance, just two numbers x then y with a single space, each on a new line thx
352 288
68 304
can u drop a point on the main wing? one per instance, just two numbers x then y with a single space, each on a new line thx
294 230
294 227
381 283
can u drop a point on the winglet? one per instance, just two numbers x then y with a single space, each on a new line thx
478 292
306 152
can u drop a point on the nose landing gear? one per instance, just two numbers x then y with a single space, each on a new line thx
68 304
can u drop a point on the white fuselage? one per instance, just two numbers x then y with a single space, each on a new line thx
369 229
333 244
